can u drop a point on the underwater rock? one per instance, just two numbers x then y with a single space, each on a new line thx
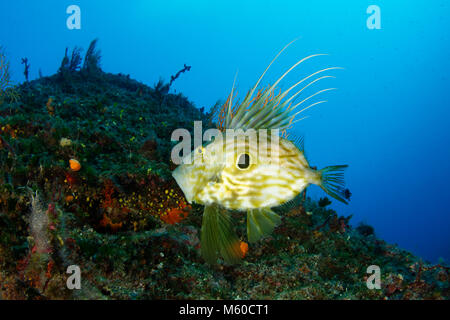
127 225
365 229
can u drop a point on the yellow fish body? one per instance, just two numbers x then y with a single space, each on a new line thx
258 182
253 170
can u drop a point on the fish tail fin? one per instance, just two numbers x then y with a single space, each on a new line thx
260 223
218 237
332 181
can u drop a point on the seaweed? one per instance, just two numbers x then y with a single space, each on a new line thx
92 58
26 70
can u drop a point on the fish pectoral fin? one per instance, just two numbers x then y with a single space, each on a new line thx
218 237
260 223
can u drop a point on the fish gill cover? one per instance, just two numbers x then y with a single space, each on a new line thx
85 180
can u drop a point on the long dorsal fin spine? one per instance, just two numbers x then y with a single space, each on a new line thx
282 106
310 106
265 109
273 120
256 105
306 86
247 98
230 102
307 98
265 113
301 118
306 78
270 64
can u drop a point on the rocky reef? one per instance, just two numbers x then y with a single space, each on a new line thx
85 180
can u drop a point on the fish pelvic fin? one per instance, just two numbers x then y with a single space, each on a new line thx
218 238
331 180
260 223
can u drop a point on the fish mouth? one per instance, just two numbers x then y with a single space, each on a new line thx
181 176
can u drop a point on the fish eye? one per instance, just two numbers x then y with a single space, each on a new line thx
243 161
